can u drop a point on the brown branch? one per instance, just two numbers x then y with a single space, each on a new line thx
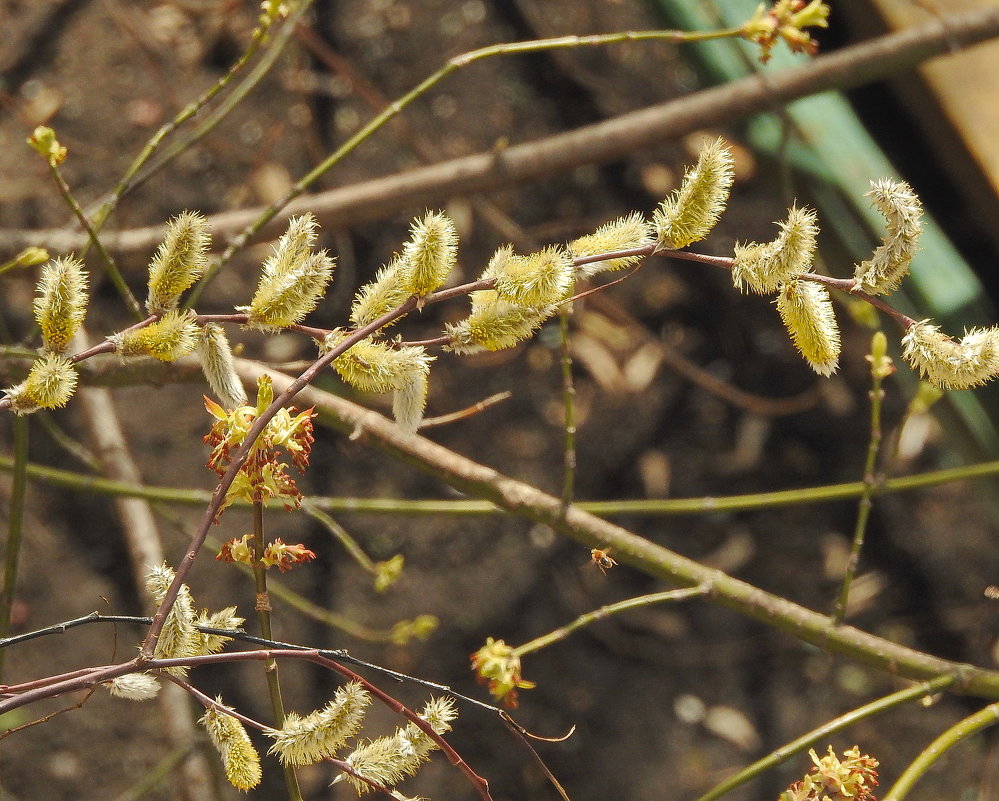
629 548
592 144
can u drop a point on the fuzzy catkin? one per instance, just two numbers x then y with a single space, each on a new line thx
625 233
948 364
902 210
60 305
767 267
689 214
50 384
806 309
179 261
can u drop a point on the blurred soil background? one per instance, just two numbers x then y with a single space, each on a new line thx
665 701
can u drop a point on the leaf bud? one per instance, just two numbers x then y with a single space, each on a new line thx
44 142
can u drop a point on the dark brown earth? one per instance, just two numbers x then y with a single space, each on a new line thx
665 701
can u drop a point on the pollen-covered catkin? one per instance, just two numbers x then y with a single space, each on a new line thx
60 305
382 295
889 264
429 254
179 261
806 309
308 739
389 760
767 267
536 281
292 280
50 384
689 214
167 339
625 233
494 324
948 364
239 757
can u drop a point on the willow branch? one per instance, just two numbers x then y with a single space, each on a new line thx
639 553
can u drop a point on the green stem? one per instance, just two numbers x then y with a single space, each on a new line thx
262 606
878 373
569 410
71 480
342 536
823 732
109 263
606 611
129 181
955 734
15 526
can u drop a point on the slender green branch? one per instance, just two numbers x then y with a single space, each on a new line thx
81 482
569 410
350 545
972 724
109 263
606 611
15 526
826 730
262 607
129 180
881 368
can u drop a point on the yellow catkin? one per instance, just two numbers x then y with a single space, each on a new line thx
179 261
60 305
689 214
806 309
948 364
